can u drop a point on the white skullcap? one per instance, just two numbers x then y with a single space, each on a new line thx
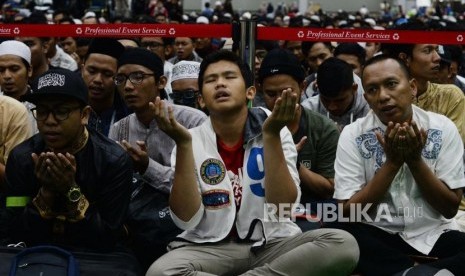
305 22
89 14
246 15
228 44
185 70
370 21
41 8
315 18
202 20
218 3
16 48
452 19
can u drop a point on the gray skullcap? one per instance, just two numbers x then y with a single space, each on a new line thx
185 70
106 46
281 61
16 48
142 57
58 82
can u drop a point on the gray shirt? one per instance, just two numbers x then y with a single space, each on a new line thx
159 145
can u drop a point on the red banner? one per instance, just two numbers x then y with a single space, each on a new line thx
225 30
360 35
116 30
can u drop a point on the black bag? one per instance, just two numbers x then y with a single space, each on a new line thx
149 222
118 263
44 260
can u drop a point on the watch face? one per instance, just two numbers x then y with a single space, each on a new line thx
74 194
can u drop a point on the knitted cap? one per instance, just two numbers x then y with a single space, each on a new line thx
185 70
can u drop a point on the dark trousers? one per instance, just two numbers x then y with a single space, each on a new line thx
382 253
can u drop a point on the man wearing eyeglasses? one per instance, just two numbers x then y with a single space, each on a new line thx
159 46
184 84
140 81
67 185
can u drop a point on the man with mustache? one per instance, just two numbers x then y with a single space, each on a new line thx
404 166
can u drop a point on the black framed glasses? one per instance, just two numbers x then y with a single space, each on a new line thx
185 97
135 78
151 44
60 114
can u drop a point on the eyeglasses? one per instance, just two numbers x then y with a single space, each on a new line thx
187 96
151 45
59 113
135 78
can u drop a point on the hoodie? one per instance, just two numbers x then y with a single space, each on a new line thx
358 109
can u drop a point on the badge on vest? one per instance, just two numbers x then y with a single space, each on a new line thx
212 171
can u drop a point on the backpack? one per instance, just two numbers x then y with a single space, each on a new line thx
44 260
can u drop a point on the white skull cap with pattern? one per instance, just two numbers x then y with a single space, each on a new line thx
16 48
185 70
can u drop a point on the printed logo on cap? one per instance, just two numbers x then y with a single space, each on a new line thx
52 79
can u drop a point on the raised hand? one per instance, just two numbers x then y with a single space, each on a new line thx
166 122
139 155
283 112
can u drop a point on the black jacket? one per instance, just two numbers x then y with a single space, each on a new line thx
104 174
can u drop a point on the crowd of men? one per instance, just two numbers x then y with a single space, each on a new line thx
325 159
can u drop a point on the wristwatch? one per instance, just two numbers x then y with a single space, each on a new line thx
74 194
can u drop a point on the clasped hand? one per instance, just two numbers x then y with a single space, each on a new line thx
403 143
55 172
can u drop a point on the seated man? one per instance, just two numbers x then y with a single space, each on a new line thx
402 166
67 185
98 69
185 89
340 98
228 171
140 80
353 54
315 135
15 127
